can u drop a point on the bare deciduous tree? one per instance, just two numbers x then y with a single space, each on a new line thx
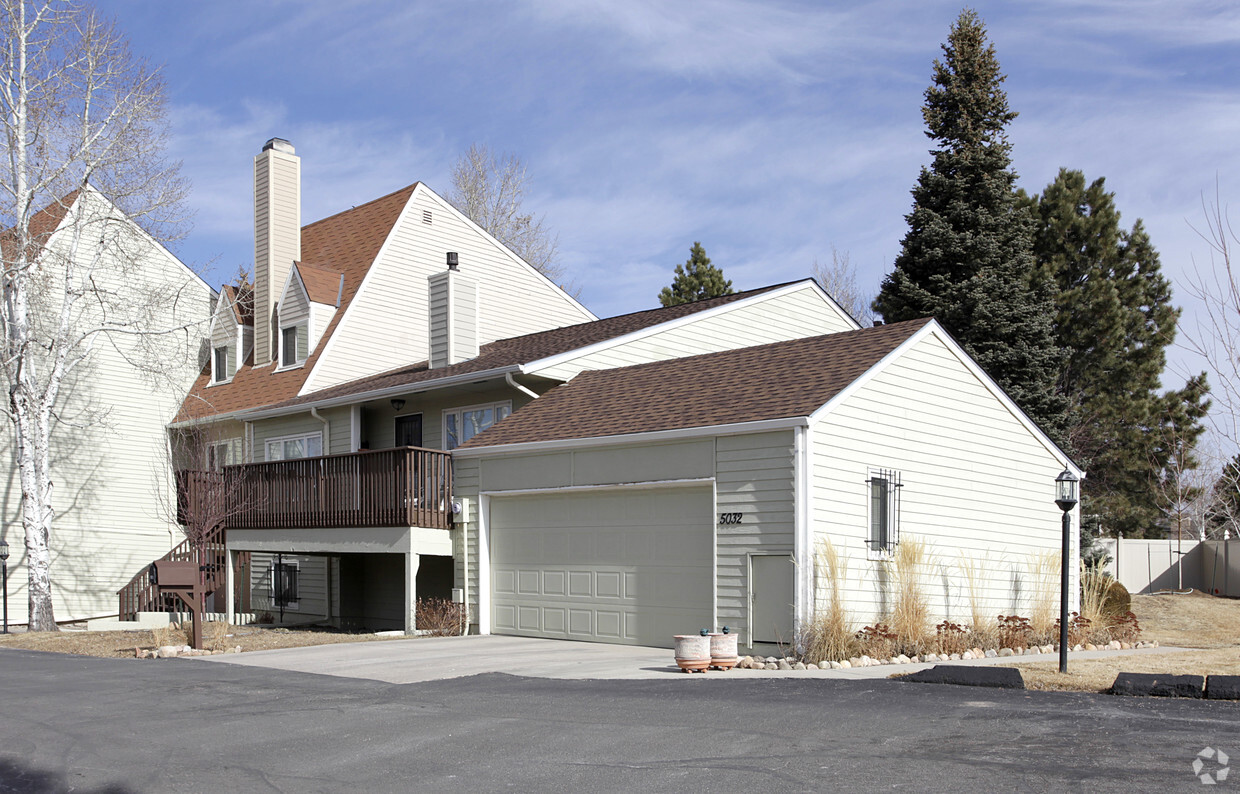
83 130
839 279
490 191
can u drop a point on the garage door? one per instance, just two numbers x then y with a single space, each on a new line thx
628 566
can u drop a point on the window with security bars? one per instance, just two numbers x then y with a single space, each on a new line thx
885 488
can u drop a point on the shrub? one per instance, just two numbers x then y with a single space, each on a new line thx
1015 632
877 641
1117 602
1125 628
951 638
439 616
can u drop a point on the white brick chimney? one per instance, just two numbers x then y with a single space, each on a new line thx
453 316
277 236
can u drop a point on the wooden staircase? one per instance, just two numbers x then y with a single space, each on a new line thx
140 596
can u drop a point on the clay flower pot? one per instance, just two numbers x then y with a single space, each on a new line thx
723 651
692 652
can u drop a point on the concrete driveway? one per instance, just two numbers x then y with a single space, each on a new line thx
436 658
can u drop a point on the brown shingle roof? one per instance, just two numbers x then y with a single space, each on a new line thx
348 243
524 349
773 381
241 296
322 284
42 224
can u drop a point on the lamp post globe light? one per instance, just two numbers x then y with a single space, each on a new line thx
4 580
1066 498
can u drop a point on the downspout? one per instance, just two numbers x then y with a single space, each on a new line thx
511 382
327 431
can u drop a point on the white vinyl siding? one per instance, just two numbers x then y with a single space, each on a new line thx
800 313
110 458
974 480
392 303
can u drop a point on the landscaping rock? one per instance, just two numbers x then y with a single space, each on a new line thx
901 659
811 666
1078 647
837 665
799 666
168 651
782 665
745 662
865 660
991 653
955 657
1125 646
1000 677
1158 685
1006 652
1089 646
1223 687
771 666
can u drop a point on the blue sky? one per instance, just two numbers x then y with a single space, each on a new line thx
771 132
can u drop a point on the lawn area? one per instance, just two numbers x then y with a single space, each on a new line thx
1196 620
121 644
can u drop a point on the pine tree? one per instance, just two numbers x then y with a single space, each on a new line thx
1115 318
697 279
966 259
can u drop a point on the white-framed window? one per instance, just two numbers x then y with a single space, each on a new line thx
294 345
305 445
883 490
462 424
284 575
219 364
219 455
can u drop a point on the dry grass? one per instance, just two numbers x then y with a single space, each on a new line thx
121 644
1094 586
910 615
831 633
1097 675
974 572
1196 620
1044 607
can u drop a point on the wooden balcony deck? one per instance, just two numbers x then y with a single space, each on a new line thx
401 487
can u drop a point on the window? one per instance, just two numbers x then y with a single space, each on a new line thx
884 486
219 372
293 345
463 424
219 455
284 584
309 445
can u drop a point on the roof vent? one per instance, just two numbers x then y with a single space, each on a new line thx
280 145
878 323
452 261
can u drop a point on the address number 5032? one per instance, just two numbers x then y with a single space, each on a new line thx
729 518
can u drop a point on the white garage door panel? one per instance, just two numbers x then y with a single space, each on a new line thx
633 566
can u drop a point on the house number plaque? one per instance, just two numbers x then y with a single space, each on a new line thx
729 518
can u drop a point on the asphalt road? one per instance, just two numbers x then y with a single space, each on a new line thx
97 725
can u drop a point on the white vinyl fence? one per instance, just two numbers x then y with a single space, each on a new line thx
1147 566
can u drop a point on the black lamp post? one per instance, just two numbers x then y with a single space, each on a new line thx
1065 497
4 580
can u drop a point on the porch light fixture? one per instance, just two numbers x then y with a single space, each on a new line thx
397 404
1066 498
4 585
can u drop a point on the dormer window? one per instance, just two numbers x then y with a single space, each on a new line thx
219 368
294 341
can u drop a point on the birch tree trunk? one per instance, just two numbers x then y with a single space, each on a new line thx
82 131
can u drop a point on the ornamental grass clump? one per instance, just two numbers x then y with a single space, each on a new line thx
974 573
1044 607
831 633
910 614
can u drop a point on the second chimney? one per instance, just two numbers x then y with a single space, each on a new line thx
277 237
453 313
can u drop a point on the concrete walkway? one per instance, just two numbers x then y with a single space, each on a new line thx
436 658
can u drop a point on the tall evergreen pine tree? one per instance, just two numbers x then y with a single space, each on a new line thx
966 259
697 279
1115 318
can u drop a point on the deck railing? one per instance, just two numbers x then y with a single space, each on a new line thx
405 486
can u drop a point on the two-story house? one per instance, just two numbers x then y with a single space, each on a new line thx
398 407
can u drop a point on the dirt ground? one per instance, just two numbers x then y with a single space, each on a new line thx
121 644
1196 620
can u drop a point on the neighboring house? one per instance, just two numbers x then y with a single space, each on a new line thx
112 489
